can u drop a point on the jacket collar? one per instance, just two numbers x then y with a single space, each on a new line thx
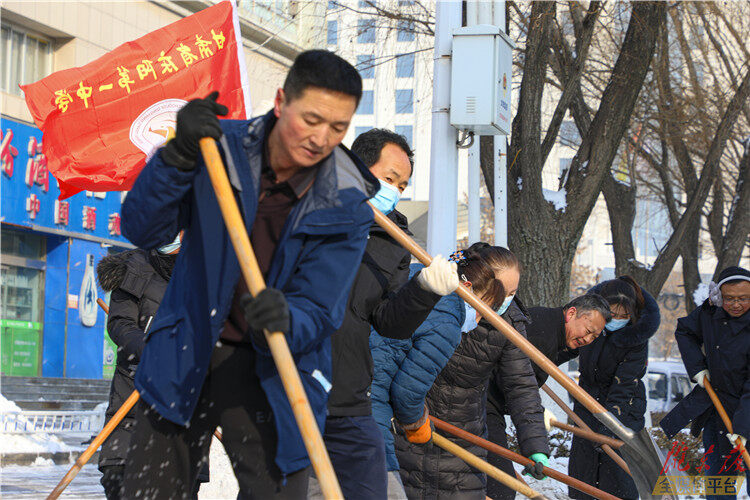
398 218
736 325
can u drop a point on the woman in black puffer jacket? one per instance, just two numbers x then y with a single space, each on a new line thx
459 395
612 367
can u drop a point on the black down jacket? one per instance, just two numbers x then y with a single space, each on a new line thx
137 279
384 298
459 396
612 367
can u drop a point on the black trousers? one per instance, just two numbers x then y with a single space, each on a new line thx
496 434
164 458
112 476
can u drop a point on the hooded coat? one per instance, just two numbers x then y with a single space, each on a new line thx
314 265
612 368
459 396
137 279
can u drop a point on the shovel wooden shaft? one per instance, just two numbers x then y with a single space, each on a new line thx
725 418
478 463
580 423
276 341
98 440
495 320
588 434
515 457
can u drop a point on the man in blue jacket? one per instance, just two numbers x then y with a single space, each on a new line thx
714 342
206 363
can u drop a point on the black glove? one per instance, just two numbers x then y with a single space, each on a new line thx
535 470
196 120
268 310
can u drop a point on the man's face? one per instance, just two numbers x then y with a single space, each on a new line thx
582 330
393 167
736 298
312 125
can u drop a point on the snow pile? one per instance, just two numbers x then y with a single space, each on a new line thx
223 484
700 294
549 487
557 198
38 442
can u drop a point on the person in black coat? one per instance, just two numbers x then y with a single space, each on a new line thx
558 332
382 297
611 371
714 342
459 394
137 279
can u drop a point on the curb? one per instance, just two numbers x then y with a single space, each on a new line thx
58 458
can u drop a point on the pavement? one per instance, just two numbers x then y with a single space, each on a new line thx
37 481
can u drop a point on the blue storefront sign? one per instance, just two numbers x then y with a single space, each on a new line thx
50 250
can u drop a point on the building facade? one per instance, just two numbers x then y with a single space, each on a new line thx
50 323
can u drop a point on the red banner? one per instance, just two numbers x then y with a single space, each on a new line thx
102 121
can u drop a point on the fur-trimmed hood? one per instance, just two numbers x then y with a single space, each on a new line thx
112 269
639 333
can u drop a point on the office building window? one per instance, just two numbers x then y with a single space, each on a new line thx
365 66
408 132
367 4
366 31
333 32
360 130
404 101
332 5
564 165
568 135
405 31
26 59
405 66
367 103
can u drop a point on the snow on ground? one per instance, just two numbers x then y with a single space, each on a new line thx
549 487
223 483
28 443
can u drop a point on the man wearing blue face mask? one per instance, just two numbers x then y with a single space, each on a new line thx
382 297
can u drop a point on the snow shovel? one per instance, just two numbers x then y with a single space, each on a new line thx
515 457
725 418
639 450
476 462
606 448
295 392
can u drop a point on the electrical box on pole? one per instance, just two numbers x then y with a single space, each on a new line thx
482 66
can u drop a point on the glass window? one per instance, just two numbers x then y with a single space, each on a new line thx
408 132
22 244
405 65
405 31
403 3
366 31
367 4
564 165
680 387
332 5
26 59
333 32
367 103
22 282
657 385
366 67
360 130
404 101
568 135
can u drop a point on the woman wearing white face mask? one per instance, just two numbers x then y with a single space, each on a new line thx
459 392
612 367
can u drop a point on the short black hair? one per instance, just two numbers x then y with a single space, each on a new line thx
369 145
323 69
591 302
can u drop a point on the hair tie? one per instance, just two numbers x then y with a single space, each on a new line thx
457 256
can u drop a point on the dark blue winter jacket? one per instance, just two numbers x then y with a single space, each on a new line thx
314 264
709 338
406 369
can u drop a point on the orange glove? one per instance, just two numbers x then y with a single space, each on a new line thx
420 432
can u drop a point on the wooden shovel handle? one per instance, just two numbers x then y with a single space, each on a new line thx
725 418
276 341
495 320
476 462
515 457
580 423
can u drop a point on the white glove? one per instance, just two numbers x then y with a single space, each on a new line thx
700 376
549 417
440 277
733 438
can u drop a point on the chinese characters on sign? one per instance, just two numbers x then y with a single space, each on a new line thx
89 218
206 47
62 210
32 206
8 152
114 224
36 166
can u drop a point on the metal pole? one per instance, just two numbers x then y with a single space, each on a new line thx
441 217
475 9
500 156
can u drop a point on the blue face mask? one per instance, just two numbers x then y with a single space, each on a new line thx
471 318
616 324
505 305
386 198
171 247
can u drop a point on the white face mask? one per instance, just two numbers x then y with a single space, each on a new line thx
505 305
470 323
171 247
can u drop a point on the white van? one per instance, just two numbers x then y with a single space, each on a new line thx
667 383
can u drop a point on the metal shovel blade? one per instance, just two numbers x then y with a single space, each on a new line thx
643 457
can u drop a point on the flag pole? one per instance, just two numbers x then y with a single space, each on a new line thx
277 344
